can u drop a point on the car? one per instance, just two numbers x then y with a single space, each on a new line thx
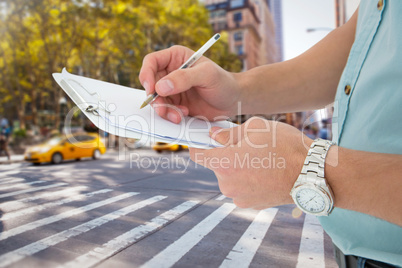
70 147
162 146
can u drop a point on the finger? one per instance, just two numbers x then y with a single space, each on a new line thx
184 110
164 60
175 114
182 80
197 156
159 105
149 69
226 136
218 160
169 111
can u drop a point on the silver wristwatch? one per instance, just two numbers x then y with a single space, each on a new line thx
311 192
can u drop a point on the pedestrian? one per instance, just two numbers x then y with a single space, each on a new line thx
358 198
4 145
323 133
4 122
309 132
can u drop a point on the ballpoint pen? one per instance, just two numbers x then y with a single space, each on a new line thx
196 56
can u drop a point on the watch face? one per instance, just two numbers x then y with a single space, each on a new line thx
310 200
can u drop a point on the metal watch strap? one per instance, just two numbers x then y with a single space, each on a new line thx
312 177
313 167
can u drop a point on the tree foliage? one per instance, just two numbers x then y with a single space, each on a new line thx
103 39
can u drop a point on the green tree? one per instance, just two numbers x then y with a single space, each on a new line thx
102 39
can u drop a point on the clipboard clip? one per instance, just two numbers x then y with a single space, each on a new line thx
92 109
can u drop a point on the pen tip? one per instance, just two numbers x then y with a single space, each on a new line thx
148 100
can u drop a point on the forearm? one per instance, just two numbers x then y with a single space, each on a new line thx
366 182
306 82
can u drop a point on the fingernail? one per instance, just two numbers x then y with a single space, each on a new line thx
165 87
172 117
146 86
184 110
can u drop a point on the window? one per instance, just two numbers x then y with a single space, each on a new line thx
222 25
88 138
238 36
239 50
243 65
236 3
83 138
221 13
237 17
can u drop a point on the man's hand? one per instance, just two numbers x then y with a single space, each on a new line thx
259 163
262 159
204 89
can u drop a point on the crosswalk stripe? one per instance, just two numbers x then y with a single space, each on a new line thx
115 245
8 173
6 179
243 252
17 204
32 190
28 250
311 252
32 225
20 185
220 198
38 208
11 180
170 255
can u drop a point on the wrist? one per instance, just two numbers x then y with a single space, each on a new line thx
244 91
331 172
297 162
294 165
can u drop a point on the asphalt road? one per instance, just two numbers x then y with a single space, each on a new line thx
141 209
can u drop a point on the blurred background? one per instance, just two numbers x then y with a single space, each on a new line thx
107 40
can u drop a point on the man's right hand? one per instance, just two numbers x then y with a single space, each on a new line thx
205 89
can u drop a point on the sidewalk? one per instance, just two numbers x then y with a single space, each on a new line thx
13 159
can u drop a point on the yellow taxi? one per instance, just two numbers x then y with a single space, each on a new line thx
70 147
162 146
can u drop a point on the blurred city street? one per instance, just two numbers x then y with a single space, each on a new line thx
137 207
142 208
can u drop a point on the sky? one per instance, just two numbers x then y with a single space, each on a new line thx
298 16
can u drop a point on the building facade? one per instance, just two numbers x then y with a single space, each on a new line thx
344 9
275 7
251 29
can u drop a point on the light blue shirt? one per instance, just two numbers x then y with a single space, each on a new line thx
370 119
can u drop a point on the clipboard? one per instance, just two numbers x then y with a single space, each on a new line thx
116 109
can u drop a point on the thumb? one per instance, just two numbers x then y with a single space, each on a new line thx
225 136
